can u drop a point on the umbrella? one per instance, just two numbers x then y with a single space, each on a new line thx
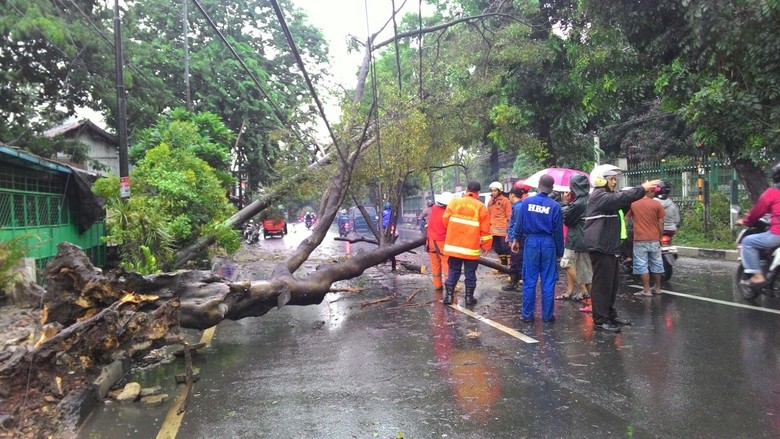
560 175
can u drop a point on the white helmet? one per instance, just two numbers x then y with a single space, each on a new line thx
443 198
597 176
496 185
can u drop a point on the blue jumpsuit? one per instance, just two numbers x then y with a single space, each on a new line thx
541 223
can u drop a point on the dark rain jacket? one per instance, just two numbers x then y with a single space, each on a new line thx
602 222
574 214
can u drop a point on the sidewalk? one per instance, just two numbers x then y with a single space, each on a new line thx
708 253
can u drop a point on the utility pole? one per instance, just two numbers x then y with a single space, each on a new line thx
185 25
121 117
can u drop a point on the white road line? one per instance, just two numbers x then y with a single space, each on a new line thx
499 326
722 302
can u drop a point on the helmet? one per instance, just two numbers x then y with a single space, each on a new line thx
663 189
344 211
387 205
600 172
444 198
497 185
521 184
775 171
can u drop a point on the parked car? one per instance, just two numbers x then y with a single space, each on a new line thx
358 222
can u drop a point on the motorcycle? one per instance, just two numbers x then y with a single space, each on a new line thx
251 233
344 229
309 222
770 265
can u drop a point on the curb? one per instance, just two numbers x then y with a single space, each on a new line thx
708 253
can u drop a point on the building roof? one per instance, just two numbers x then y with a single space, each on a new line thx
18 157
80 126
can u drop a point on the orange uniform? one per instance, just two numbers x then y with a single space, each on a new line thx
500 210
468 227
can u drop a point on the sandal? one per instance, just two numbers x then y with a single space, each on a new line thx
579 296
565 296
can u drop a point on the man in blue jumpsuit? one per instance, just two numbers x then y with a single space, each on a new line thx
541 223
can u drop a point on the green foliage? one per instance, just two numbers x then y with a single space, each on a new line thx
12 253
693 231
146 265
272 212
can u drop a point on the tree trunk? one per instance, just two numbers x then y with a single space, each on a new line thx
752 177
495 166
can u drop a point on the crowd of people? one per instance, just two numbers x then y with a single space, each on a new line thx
581 230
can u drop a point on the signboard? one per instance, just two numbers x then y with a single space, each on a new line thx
124 187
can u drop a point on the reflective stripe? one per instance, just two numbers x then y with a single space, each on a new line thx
600 216
468 222
461 250
485 238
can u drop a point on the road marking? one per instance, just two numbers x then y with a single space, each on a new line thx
722 302
170 426
499 326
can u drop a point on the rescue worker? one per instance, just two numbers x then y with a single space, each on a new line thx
541 222
435 242
500 210
602 236
516 196
468 231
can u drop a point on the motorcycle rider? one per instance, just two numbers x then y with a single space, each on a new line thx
343 218
768 203
602 236
672 220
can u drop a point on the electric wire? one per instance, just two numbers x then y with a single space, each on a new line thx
299 61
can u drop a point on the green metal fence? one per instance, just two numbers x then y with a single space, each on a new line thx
34 206
684 179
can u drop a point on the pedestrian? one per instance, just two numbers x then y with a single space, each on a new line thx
648 225
500 209
468 235
437 233
602 235
768 203
576 260
425 216
541 222
516 196
672 220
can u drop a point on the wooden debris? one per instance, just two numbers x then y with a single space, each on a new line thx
411 305
411 296
193 349
377 301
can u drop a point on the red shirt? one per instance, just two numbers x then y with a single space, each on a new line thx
768 203
436 229
646 213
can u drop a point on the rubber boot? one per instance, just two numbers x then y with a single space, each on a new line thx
448 293
470 299
512 286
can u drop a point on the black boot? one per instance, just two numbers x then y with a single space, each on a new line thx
448 293
512 286
504 260
470 299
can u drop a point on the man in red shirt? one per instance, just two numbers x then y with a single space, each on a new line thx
768 203
648 216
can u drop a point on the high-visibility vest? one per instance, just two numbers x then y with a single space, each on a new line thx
623 231
468 227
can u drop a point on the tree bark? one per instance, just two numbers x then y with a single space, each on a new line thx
752 177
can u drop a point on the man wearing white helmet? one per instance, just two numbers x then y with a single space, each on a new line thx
602 236
500 209
435 242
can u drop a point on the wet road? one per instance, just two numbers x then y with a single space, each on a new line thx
686 368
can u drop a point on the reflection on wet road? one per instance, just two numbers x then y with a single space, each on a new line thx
686 368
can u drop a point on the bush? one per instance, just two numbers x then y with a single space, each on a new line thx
11 254
719 233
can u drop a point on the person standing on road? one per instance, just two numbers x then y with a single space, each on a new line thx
468 231
541 222
500 209
576 260
437 233
672 219
602 236
648 218
516 196
768 203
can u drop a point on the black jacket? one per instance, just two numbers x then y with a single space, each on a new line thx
602 223
574 214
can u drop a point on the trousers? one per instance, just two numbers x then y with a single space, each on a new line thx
539 261
439 262
456 266
603 289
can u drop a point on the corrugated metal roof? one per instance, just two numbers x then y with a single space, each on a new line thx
22 158
80 125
